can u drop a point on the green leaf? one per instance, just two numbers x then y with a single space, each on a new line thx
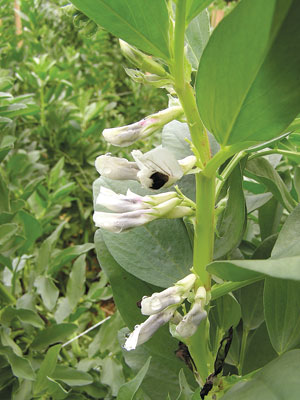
32 229
197 35
287 243
225 311
55 173
24 315
269 218
231 223
254 93
128 389
7 231
4 196
143 24
261 170
46 369
170 254
280 379
56 390
71 376
194 7
112 374
185 390
259 350
164 368
20 366
47 290
53 334
106 338
75 286
255 201
240 270
251 300
282 303
62 257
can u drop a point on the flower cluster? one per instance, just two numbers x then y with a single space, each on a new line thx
161 308
132 210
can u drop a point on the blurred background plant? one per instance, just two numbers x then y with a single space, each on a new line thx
58 92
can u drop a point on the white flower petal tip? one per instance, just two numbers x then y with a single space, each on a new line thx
158 168
119 202
144 331
116 168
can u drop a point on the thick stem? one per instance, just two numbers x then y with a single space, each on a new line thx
204 227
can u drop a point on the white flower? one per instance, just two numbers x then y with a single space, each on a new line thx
144 331
172 295
116 168
158 168
132 210
190 322
127 135
155 169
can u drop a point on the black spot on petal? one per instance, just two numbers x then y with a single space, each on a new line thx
158 179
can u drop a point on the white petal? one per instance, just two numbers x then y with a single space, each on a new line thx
159 301
190 322
119 202
158 168
119 222
116 168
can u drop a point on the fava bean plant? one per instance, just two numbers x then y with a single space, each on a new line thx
200 236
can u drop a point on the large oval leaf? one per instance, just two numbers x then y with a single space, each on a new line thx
248 83
142 23
282 304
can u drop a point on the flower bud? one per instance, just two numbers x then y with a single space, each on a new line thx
127 135
141 60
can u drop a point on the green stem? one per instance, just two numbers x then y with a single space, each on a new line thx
204 227
185 91
227 171
243 350
274 151
221 289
